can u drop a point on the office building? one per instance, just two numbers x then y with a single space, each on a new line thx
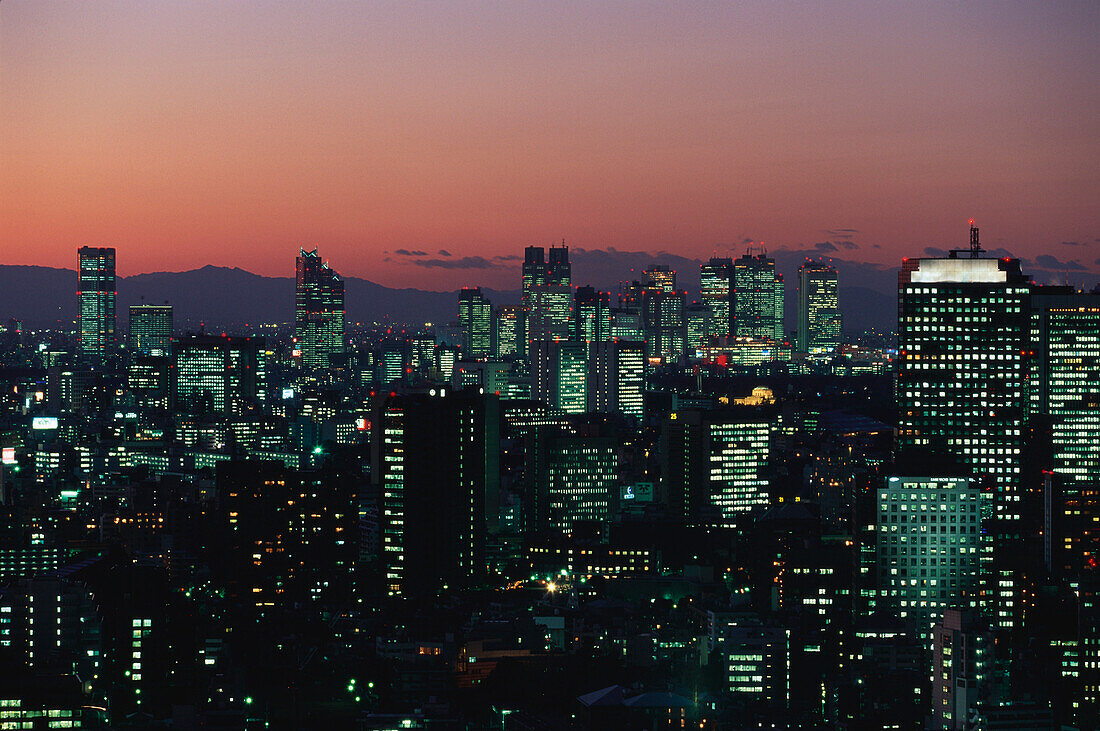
475 316
591 315
716 292
1064 393
435 462
559 374
151 329
819 320
318 311
617 377
962 668
697 319
757 299
963 325
219 375
547 296
715 463
571 479
510 332
96 296
929 548
660 276
663 324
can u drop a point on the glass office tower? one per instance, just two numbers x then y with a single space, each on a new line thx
319 311
96 295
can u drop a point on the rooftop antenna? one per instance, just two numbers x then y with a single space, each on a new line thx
975 245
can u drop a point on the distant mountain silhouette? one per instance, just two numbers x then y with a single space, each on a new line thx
217 296
223 297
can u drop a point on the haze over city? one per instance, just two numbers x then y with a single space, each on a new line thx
424 144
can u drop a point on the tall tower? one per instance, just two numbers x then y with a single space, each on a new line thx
591 315
819 320
757 298
546 292
151 329
96 294
475 316
715 285
963 327
434 461
319 311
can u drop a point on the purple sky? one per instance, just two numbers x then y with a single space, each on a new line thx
187 133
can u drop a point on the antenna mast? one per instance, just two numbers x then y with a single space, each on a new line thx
975 245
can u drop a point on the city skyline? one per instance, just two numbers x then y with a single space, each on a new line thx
181 134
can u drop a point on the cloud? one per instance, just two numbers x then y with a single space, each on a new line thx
443 252
836 245
1074 243
464 262
935 251
507 257
841 233
876 246
406 252
1046 261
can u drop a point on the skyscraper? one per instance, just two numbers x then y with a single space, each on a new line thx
510 332
715 285
928 546
151 329
591 315
819 321
660 276
547 296
757 298
96 294
570 479
663 323
319 311
714 463
962 337
435 463
559 374
475 316
1065 395
219 375
617 377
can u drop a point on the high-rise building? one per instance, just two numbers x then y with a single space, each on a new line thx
435 463
819 320
962 668
716 285
660 276
559 374
475 316
151 329
510 332
697 317
96 294
547 296
663 323
219 375
319 311
617 377
757 300
591 315
963 328
714 463
1065 394
570 479
929 546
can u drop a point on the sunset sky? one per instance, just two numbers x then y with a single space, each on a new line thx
229 133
